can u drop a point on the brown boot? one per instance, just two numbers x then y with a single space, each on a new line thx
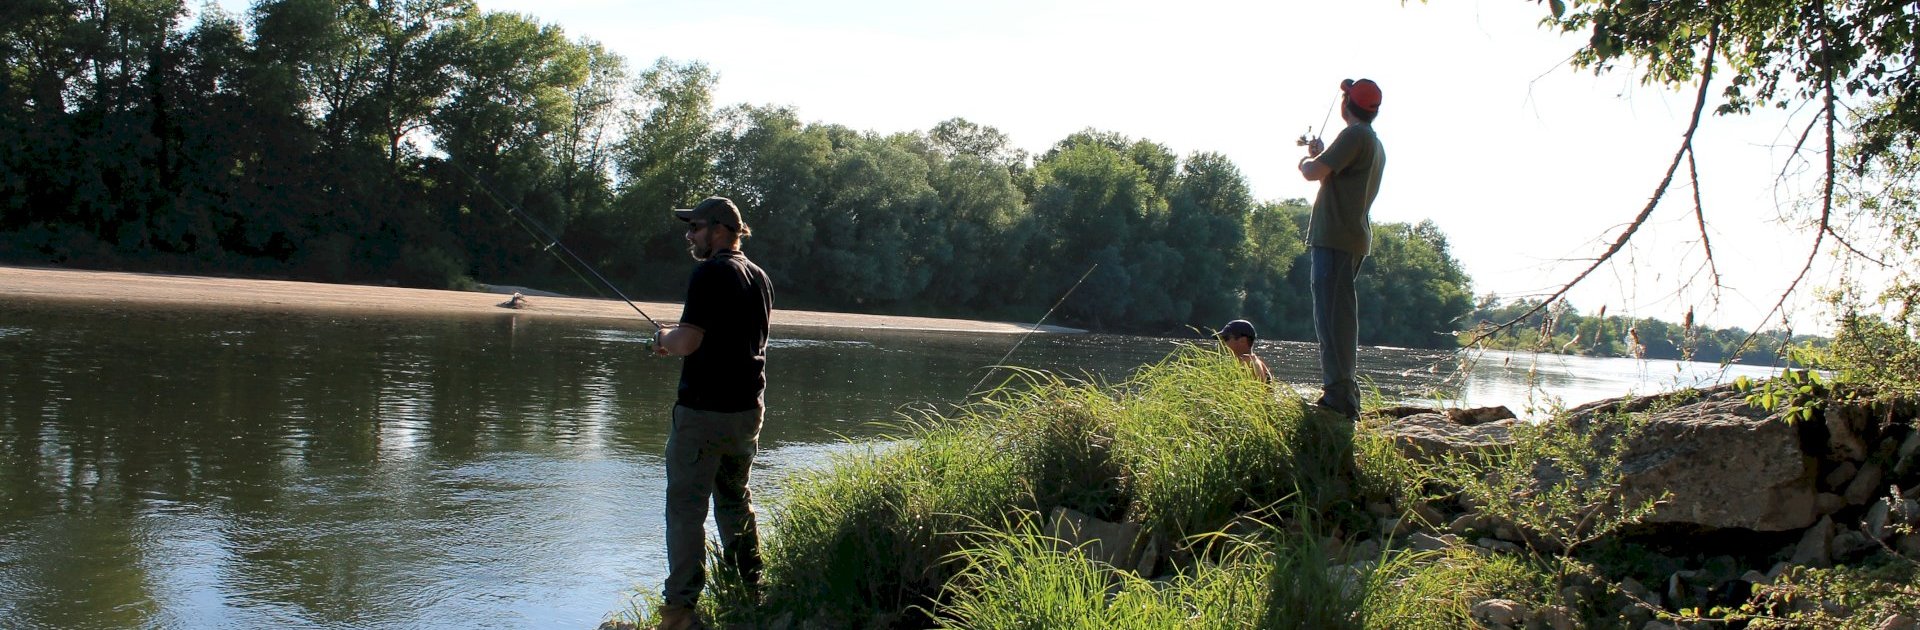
679 618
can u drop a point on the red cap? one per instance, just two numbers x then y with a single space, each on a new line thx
1364 93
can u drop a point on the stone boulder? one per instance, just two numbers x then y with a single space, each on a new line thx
1433 436
1721 462
1724 463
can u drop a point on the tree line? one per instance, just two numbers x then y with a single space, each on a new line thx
1560 328
380 141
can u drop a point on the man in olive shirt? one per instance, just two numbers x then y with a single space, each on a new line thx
716 420
1339 236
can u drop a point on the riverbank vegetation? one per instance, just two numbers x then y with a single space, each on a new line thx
1190 495
1563 329
381 143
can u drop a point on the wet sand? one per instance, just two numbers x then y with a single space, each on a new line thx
47 285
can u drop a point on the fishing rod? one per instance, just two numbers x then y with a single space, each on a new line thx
1303 141
1036 326
540 233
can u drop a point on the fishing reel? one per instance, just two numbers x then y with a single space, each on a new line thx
653 342
1309 141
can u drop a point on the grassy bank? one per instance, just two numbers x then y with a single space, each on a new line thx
1261 513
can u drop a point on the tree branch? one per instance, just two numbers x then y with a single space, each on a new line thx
1700 218
1827 115
1686 148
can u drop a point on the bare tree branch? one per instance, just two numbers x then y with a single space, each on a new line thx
1797 146
1855 250
1827 115
1700 218
1686 148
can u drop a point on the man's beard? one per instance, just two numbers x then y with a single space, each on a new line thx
700 251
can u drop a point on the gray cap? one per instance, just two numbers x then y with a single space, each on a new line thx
1238 328
718 210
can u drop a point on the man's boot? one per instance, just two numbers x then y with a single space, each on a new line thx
679 618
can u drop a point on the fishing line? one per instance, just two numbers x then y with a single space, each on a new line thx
1036 326
540 233
1323 119
1323 124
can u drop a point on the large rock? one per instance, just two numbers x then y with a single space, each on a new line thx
1865 485
1720 462
1725 463
1433 436
1816 545
1499 613
1844 424
1908 458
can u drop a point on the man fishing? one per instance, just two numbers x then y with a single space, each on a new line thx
1339 237
716 420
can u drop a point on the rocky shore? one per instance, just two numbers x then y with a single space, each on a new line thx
1740 496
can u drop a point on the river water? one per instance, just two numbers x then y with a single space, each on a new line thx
185 468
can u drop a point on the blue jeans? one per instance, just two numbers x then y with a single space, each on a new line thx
1336 322
709 455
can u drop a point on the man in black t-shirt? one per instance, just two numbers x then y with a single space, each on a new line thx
716 419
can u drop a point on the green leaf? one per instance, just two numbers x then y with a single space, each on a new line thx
1559 7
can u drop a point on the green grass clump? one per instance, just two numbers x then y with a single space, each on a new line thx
1279 580
1058 437
1022 579
1199 442
866 536
1438 589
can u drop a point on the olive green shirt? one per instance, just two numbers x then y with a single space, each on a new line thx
1340 221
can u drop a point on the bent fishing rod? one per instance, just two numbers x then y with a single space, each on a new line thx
1036 326
550 242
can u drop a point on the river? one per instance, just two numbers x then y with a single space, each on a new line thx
197 468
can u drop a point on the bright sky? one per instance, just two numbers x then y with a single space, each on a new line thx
1524 162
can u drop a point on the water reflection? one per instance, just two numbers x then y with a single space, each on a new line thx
192 469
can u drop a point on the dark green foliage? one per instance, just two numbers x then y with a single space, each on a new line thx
366 142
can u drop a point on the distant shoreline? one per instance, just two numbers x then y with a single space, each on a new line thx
48 285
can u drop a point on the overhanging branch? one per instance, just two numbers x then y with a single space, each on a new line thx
1686 149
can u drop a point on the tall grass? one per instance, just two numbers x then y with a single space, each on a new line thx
1437 590
1019 579
866 537
940 527
1022 579
1199 442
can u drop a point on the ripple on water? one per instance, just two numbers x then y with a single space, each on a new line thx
615 336
817 343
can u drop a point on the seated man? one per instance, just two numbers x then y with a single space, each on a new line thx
1238 336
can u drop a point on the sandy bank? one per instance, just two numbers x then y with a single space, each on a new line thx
29 284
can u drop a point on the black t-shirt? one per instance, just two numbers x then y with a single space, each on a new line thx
730 299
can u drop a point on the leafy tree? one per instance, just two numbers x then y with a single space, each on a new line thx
1210 207
506 123
778 170
1416 294
879 189
583 156
1090 197
664 160
984 215
1274 276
